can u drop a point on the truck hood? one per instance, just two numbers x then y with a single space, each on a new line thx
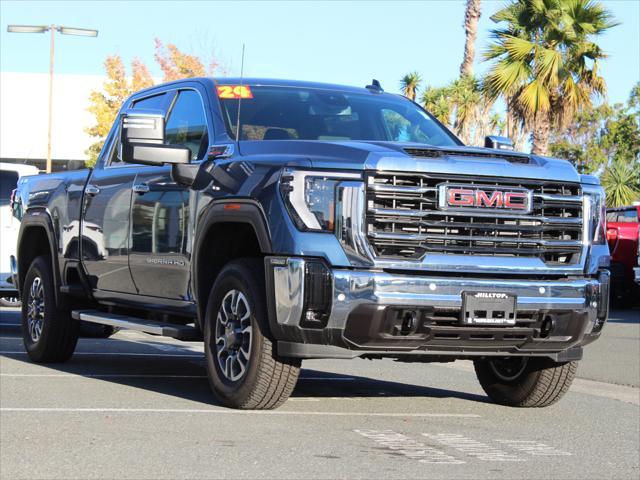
412 157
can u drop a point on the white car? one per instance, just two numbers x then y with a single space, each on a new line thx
9 225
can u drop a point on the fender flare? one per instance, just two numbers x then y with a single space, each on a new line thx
249 212
41 219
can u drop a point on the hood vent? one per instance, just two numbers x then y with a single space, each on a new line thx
436 153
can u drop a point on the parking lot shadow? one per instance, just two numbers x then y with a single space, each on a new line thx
315 383
186 378
630 315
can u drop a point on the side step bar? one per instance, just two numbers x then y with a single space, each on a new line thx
180 332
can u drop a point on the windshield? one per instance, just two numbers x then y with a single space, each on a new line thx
292 113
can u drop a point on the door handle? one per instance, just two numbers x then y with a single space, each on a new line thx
91 190
141 188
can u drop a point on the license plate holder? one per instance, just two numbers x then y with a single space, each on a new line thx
488 309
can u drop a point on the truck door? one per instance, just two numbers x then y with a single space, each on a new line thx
105 226
106 215
160 251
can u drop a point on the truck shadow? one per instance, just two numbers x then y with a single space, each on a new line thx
181 373
315 383
630 315
184 379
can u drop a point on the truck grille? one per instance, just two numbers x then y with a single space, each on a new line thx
403 220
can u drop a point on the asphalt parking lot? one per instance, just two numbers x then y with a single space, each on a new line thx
137 406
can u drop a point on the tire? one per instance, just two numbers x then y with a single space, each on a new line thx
48 331
266 380
523 381
11 302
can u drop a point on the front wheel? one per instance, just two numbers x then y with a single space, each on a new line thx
48 331
243 367
523 381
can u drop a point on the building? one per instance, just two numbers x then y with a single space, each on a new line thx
24 103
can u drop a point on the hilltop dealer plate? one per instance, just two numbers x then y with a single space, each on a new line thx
488 308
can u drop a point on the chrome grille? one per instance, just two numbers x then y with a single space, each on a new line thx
403 220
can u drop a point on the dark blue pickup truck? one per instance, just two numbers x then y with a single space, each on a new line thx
280 220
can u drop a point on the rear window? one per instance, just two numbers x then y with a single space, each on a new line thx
624 216
296 113
8 182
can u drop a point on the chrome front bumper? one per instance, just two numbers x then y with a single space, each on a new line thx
362 293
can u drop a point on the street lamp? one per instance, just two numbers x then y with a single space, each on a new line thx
53 29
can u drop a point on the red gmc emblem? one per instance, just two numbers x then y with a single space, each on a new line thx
484 197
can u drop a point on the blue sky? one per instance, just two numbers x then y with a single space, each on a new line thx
339 42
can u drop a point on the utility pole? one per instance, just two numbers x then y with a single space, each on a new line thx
84 32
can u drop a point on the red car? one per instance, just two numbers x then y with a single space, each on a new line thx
622 235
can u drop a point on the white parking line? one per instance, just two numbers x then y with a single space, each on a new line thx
535 448
234 412
124 354
473 448
117 375
408 447
96 375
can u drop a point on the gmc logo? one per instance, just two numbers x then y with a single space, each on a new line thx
483 197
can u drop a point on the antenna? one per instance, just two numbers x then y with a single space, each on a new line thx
240 96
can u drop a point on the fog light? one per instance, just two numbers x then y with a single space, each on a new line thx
317 294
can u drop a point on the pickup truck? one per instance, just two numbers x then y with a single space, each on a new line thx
278 221
623 231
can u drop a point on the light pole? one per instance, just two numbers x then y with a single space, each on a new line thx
84 32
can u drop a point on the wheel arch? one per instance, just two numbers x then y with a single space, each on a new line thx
228 230
36 237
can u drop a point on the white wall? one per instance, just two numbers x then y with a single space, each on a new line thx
24 104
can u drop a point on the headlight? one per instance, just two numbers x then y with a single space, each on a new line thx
310 197
598 214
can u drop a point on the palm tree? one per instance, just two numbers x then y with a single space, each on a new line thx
545 61
471 17
621 182
409 85
436 101
466 96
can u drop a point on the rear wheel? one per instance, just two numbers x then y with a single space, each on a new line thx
244 369
523 381
48 331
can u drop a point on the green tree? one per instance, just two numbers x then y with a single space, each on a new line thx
621 182
436 101
545 61
409 85
602 135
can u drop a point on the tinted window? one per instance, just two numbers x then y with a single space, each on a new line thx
281 113
156 102
187 124
624 216
8 182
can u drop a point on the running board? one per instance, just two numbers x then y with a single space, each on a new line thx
180 332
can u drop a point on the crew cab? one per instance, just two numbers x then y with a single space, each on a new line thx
283 220
623 227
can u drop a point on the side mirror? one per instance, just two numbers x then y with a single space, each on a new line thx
142 140
498 143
